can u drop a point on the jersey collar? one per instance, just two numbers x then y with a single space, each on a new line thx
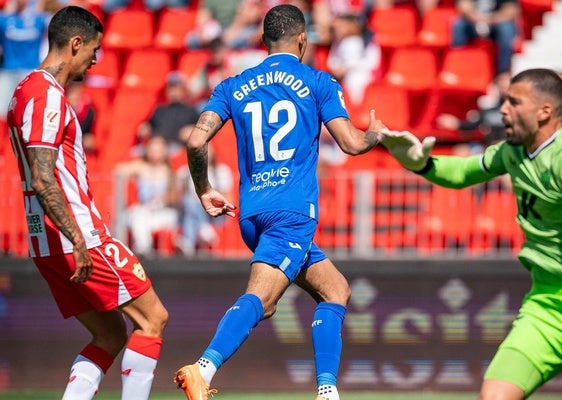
542 146
282 54
50 78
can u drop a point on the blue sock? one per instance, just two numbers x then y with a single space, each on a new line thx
327 342
234 328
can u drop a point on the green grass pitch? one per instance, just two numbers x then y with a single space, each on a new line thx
26 395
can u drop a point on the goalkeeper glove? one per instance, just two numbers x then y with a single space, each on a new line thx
405 147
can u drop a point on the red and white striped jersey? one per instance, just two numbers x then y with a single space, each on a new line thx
40 116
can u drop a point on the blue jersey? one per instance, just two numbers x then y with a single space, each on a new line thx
21 36
277 109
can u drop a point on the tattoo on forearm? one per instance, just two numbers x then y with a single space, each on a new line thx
198 162
208 123
49 194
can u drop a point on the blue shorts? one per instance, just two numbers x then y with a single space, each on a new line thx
282 239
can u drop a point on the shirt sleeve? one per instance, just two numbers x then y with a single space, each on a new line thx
493 160
457 172
219 101
47 121
330 98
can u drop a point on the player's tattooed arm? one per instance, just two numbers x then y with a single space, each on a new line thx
208 124
198 167
206 127
42 163
49 194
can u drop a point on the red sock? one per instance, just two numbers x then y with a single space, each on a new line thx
146 345
97 355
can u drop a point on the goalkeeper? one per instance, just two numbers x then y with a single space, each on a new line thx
531 354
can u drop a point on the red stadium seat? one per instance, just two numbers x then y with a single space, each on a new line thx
101 99
496 219
396 202
105 73
146 69
415 70
225 145
335 217
390 103
412 68
130 108
394 27
173 25
448 220
192 62
465 74
468 69
436 26
532 13
129 29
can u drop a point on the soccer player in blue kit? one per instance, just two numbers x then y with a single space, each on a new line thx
277 109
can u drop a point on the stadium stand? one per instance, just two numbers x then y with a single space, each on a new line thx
421 78
146 69
458 72
435 30
391 105
173 24
394 27
412 68
192 62
129 29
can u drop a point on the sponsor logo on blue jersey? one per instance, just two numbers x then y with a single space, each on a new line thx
270 178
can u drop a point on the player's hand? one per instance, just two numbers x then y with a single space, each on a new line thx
376 125
83 263
215 204
408 149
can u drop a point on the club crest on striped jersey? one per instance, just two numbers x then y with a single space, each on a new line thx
51 119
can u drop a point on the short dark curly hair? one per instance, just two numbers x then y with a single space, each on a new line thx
282 22
72 21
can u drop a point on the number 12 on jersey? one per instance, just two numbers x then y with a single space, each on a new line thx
255 109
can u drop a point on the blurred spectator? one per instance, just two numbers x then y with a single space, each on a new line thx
173 119
109 6
487 118
354 58
213 17
197 227
156 203
22 29
85 112
245 29
493 19
422 6
216 70
206 30
324 11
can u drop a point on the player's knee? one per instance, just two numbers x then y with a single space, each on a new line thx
161 321
156 323
339 294
112 339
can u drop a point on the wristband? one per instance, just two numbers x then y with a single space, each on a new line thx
428 165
